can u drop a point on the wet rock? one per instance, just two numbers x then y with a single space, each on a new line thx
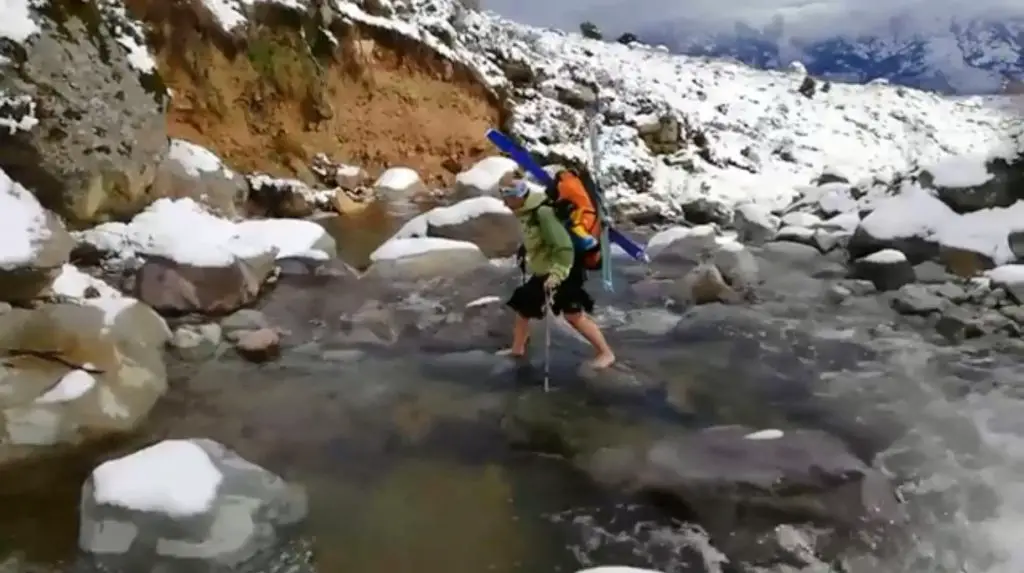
74 373
26 272
424 257
261 345
957 324
190 170
704 285
185 504
174 288
783 476
917 300
485 176
887 269
94 153
242 320
755 225
313 271
195 343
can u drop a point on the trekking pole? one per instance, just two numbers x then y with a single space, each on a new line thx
547 343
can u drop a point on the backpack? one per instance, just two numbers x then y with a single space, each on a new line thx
574 199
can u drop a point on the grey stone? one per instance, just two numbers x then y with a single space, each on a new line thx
196 343
247 516
859 287
755 225
957 324
1015 313
95 152
915 300
930 272
951 291
244 319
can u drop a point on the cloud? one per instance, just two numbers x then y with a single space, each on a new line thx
802 18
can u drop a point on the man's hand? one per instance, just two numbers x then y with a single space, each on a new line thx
551 283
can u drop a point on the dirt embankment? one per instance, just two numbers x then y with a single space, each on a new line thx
270 97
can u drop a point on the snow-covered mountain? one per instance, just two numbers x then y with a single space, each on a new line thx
966 57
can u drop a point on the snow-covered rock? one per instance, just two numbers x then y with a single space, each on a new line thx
418 257
277 197
485 176
191 170
183 231
1011 278
399 182
184 503
887 269
483 221
754 224
33 244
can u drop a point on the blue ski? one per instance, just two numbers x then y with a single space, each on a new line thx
507 145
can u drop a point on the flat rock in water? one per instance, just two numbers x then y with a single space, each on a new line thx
792 475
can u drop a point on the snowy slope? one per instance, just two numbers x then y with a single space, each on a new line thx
967 56
764 140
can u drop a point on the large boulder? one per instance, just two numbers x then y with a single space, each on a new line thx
93 154
175 288
77 372
191 170
33 244
794 476
186 505
973 182
887 269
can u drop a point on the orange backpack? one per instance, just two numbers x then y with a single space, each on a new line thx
575 203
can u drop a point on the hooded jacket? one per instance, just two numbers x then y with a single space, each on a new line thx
548 246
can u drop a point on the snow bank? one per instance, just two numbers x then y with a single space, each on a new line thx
400 248
16 24
486 173
885 257
960 171
173 477
198 160
917 212
1007 274
771 434
184 231
460 212
71 386
24 225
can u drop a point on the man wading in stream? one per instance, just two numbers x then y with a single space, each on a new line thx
554 226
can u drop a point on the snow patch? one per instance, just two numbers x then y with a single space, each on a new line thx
198 160
771 434
487 173
885 257
483 301
173 477
398 179
1006 274
960 172
73 283
71 386
16 24
25 225
400 248
17 112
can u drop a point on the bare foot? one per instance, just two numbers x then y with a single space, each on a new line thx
511 353
602 361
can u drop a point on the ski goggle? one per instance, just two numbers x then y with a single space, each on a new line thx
516 191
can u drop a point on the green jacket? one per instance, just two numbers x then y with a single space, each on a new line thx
548 246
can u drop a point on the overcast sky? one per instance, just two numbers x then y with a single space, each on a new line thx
826 17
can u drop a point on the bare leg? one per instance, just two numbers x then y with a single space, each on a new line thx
592 332
520 335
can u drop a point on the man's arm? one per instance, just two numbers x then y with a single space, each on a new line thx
556 237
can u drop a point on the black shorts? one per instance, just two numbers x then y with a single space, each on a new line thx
570 297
